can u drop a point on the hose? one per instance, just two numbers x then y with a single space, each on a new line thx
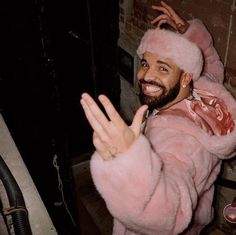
17 208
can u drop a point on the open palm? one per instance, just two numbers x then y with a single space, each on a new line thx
111 135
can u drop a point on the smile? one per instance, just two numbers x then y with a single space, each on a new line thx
151 90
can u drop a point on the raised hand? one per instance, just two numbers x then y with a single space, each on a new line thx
169 16
111 135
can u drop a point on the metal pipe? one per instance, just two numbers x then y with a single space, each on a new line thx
17 207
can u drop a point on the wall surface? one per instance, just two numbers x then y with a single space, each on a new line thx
220 18
218 15
39 218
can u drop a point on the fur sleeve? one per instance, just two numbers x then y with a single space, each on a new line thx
199 34
147 191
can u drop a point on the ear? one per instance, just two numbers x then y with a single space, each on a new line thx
186 79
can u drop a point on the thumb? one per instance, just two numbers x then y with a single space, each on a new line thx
138 119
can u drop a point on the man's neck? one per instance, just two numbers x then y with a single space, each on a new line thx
183 94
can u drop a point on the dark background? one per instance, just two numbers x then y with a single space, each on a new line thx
51 52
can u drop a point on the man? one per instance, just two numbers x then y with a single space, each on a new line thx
161 180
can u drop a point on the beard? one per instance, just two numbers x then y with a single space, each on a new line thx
160 101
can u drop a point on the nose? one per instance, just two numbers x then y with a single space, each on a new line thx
149 75
149 78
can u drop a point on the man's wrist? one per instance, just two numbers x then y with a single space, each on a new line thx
182 28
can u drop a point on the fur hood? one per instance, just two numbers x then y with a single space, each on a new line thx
223 146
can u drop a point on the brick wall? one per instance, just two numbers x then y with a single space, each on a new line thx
218 15
220 18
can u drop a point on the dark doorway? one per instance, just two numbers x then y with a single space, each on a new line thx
51 52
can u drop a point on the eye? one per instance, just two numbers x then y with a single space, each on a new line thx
163 69
144 65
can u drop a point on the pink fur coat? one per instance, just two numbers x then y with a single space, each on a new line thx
164 184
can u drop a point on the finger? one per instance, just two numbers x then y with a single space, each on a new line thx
90 117
167 21
164 19
97 127
160 17
97 142
168 8
111 111
100 147
138 119
172 13
105 156
161 22
162 9
97 112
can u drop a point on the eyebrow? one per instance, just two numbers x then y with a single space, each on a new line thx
159 62
143 60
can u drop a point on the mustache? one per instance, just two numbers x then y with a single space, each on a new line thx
155 83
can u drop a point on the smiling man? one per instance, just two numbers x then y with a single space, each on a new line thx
154 75
166 72
160 82
159 180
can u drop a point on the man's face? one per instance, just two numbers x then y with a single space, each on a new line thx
159 80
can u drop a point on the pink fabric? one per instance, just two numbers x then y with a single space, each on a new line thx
198 34
166 179
210 113
173 46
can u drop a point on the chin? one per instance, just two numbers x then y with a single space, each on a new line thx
157 102
151 101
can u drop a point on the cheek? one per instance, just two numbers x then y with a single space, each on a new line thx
140 74
166 84
171 84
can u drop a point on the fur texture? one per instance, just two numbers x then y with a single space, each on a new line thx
164 184
173 46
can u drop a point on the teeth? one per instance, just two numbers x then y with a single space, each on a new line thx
152 88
